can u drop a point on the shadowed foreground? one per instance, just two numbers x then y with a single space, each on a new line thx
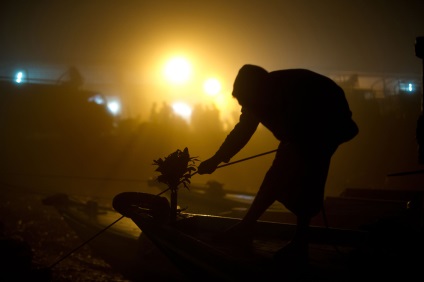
26 219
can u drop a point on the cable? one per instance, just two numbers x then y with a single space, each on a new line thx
242 160
110 225
85 242
230 163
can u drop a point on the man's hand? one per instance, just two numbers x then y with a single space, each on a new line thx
208 166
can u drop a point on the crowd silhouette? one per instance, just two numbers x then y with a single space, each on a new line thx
57 127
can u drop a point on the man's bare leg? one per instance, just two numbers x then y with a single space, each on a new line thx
243 231
297 250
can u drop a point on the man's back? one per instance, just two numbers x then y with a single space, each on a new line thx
296 105
299 104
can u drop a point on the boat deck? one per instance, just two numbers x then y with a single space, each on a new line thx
236 260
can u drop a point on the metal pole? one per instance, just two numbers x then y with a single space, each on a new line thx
110 225
242 160
419 52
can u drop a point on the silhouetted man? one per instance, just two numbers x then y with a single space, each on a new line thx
309 114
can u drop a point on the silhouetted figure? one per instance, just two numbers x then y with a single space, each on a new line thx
309 114
154 114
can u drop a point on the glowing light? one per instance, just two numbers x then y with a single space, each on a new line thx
212 86
407 87
98 99
19 77
182 109
114 107
178 70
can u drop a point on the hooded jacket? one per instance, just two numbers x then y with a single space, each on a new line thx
296 105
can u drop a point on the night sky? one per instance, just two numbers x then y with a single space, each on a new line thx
329 35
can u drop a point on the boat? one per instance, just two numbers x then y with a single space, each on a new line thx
115 239
336 254
214 198
377 235
143 247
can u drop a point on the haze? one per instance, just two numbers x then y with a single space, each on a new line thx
121 47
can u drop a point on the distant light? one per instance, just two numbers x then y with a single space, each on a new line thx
182 109
407 87
98 99
114 107
19 77
178 70
212 86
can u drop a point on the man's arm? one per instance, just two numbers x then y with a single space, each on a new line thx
235 141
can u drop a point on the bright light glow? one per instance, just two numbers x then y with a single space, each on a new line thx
19 77
212 86
407 87
98 99
114 107
182 109
178 70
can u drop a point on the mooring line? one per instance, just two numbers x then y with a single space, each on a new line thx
84 243
110 225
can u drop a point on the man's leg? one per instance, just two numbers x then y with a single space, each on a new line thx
266 196
301 236
297 250
262 201
311 175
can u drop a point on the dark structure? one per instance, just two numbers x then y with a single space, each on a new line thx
35 109
419 52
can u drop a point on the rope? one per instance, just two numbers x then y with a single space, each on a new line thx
224 165
242 160
115 179
86 242
110 225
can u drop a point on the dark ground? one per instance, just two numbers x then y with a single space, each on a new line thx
27 221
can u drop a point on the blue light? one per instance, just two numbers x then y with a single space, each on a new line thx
98 99
19 77
408 87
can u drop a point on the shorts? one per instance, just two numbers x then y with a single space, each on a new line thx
297 177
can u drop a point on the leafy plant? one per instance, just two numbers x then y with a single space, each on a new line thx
176 169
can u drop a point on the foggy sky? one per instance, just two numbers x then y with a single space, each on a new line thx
329 35
364 36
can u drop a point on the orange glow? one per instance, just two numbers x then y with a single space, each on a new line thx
212 86
178 70
180 75
182 109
